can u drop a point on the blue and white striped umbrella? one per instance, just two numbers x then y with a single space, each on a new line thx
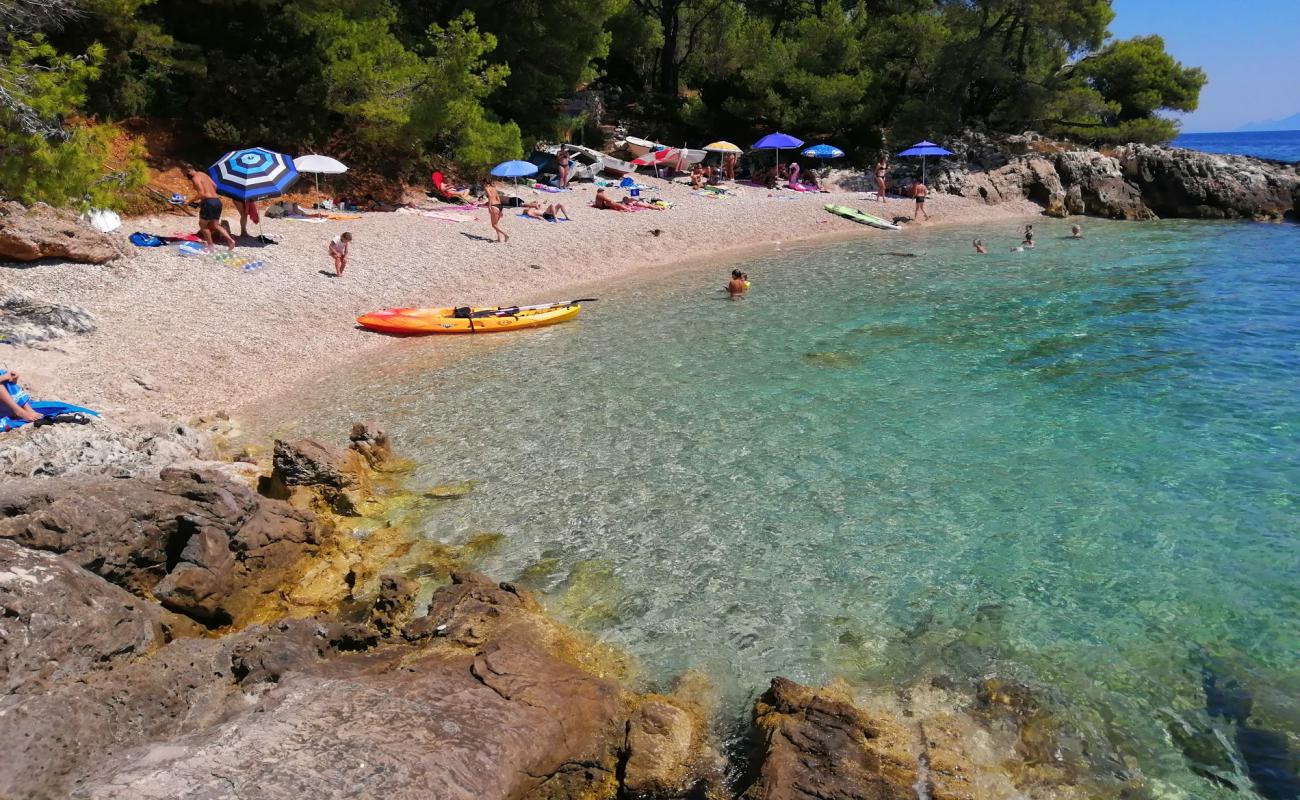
253 174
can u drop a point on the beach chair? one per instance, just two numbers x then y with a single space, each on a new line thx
441 192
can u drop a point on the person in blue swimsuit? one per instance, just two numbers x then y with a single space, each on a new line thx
14 400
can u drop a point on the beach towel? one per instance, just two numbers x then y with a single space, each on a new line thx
450 216
181 236
542 187
141 239
251 207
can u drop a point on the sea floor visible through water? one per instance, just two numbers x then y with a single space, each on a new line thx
1077 467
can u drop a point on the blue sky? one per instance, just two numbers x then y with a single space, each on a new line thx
1249 51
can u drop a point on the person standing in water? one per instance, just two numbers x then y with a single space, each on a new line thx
1029 237
882 168
919 193
979 246
738 285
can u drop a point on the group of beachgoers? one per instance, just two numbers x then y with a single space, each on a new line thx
1027 242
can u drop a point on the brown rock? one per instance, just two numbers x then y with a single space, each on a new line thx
58 622
817 745
307 472
660 739
205 545
372 443
279 711
395 603
28 234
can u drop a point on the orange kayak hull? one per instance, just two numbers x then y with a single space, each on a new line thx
417 321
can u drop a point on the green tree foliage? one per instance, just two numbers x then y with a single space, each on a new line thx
41 158
395 82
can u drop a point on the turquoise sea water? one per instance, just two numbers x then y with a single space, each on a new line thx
1077 467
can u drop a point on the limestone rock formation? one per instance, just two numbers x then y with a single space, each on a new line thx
26 320
59 622
288 711
205 546
340 478
103 448
1132 182
28 234
817 745
1187 183
660 738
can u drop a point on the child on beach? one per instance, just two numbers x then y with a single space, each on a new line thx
339 252
919 193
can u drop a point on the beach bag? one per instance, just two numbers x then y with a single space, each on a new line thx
104 220
141 239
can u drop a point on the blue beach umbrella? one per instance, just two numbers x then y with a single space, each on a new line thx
514 170
824 151
924 149
778 142
253 174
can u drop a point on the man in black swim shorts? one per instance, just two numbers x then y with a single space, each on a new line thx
209 209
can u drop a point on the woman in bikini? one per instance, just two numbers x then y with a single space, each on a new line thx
494 210
551 213
882 167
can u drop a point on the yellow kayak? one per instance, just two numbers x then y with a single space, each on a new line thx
473 320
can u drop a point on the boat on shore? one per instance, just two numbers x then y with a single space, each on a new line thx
639 147
417 321
606 162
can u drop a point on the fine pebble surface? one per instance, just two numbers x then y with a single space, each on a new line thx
189 335
1074 466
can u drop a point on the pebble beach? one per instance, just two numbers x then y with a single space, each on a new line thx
187 335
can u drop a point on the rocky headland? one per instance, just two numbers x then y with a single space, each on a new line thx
174 623
1129 182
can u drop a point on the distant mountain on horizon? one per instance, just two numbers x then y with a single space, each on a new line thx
1291 123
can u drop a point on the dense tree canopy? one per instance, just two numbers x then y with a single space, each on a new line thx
397 82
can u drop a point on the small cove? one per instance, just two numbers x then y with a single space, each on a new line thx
1076 467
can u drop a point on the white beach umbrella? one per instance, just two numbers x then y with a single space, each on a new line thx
320 165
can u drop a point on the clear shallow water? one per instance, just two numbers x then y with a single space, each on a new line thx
1077 466
1279 145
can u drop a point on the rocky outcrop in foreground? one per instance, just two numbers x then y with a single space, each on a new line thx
181 634
1133 182
29 234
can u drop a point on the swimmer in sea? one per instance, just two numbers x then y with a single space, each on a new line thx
1076 232
979 246
1029 237
738 284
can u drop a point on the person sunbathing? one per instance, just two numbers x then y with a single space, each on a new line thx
551 213
636 202
14 400
602 201
698 180
451 194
